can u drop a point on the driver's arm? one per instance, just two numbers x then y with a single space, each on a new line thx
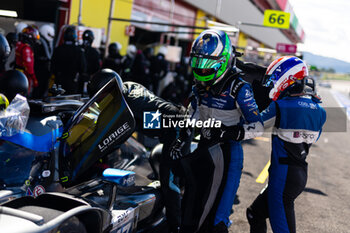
253 126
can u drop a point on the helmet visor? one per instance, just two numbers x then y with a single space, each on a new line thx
269 80
203 62
204 72
205 67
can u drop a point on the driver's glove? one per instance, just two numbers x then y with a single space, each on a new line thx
178 144
235 133
175 151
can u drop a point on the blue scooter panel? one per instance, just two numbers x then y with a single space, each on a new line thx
120 177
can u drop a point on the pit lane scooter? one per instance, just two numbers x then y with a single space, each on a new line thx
79 172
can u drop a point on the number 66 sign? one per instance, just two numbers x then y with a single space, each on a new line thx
277 19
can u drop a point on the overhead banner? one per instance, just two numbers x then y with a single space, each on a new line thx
165 11
286 48
277 19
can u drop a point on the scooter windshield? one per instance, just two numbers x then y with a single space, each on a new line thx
98 127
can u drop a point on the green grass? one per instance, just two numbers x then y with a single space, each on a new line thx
329 76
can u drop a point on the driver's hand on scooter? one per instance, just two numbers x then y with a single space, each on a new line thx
175 151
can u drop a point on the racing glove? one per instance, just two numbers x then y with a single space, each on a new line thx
235 133
175 151
178 144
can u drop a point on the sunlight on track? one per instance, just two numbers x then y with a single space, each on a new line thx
264 139
263 174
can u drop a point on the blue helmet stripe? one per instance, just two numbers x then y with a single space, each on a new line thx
286 66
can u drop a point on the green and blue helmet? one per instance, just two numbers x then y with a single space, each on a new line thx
211 56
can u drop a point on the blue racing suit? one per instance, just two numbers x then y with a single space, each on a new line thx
214 170
297 123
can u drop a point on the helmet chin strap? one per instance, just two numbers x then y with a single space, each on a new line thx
202 88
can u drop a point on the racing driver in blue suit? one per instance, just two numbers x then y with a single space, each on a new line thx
297 121
213 170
